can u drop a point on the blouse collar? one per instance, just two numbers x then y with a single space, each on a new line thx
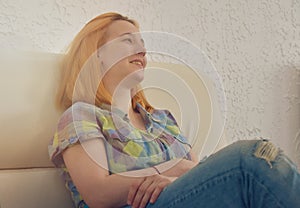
147 116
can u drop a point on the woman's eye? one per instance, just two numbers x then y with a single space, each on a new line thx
129 40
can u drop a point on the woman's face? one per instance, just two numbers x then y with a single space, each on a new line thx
123 56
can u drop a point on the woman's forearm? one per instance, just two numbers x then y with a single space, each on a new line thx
176 167
123 181
117 186
102 190
171 168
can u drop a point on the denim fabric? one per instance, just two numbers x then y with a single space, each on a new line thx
234 177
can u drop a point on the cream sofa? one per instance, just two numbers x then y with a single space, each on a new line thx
28 120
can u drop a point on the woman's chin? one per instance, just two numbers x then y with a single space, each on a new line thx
133 78
139 75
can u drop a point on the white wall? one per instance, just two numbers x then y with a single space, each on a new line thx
254 45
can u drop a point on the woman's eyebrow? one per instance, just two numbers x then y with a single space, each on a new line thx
127 33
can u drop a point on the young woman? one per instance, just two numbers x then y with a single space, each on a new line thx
116 150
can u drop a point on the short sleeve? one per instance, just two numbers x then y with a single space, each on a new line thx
77 124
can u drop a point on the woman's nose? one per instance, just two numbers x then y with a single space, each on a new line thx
142 53
140 48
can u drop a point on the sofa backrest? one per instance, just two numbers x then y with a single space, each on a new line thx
28 84
28 118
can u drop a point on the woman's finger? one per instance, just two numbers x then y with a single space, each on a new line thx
148 194
133 190
159 188
142 190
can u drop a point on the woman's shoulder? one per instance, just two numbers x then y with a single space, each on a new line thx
80 107
77 123
81 111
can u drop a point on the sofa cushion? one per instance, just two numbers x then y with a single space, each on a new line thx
28 118
38 187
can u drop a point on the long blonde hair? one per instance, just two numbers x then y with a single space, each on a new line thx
80 72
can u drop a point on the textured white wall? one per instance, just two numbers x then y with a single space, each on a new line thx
254 44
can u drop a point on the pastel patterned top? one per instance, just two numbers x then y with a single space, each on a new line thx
127 148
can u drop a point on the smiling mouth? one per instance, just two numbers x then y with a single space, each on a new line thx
138 63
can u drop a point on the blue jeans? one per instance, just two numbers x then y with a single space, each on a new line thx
236 177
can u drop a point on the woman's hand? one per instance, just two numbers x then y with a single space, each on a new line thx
147 189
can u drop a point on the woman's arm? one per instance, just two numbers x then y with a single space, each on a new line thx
177 167
87 165
172 168
95 185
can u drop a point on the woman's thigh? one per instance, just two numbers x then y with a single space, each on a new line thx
249 173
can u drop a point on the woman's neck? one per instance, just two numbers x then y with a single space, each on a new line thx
122 99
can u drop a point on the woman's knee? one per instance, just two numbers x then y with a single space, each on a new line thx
267 151
259 150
